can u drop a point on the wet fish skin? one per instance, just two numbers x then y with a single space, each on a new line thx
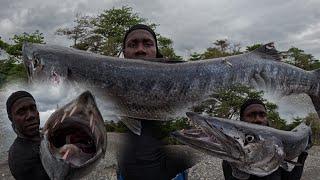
74 139
250 148
159 91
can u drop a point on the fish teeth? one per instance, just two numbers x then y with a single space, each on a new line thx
66 155
73 110
55 124
98 138
46 132
63 117
92 129
91 120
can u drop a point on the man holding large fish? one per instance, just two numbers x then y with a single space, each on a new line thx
254 111
143 91
144 153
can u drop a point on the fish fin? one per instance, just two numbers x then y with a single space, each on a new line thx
239 174
133 124
268 51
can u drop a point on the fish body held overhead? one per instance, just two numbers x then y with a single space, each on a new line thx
74 139
249 148
159 91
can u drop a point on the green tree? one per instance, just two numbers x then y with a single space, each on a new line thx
104 34
253 47
3 45
10 71
111 26
195 56
315 65
299 58
170 126
16 48
213 52
79 33
222 48
226 103
166 48
274 117
222 44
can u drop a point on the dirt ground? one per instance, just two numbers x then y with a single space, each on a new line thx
206 167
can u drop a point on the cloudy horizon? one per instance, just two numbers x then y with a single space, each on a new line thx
192 25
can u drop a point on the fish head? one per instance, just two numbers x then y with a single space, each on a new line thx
74 139
249 147
42 65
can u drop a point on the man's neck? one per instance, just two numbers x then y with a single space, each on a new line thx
34 138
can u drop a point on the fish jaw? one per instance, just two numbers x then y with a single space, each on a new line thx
197 139
74 139
260 157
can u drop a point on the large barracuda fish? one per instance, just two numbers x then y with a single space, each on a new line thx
142 89
74 139
249 148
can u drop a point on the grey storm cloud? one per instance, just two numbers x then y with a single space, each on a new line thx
192 25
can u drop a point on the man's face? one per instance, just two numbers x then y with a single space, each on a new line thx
140 44
25 116
255 113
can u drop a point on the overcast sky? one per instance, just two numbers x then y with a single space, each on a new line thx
192 25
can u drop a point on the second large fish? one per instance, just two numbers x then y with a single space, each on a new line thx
158 91
249 148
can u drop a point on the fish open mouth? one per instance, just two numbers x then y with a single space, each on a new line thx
198 139
211 140
73 141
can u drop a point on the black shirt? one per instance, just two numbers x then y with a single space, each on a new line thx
24 160
144 157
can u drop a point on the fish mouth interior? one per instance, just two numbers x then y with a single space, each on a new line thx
200 140
77 134
199 135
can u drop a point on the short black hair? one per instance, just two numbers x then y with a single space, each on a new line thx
13 98
143 27
249 102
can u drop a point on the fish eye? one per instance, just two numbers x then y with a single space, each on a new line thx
249 138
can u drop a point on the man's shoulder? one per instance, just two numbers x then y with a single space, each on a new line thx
22 144
22 149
